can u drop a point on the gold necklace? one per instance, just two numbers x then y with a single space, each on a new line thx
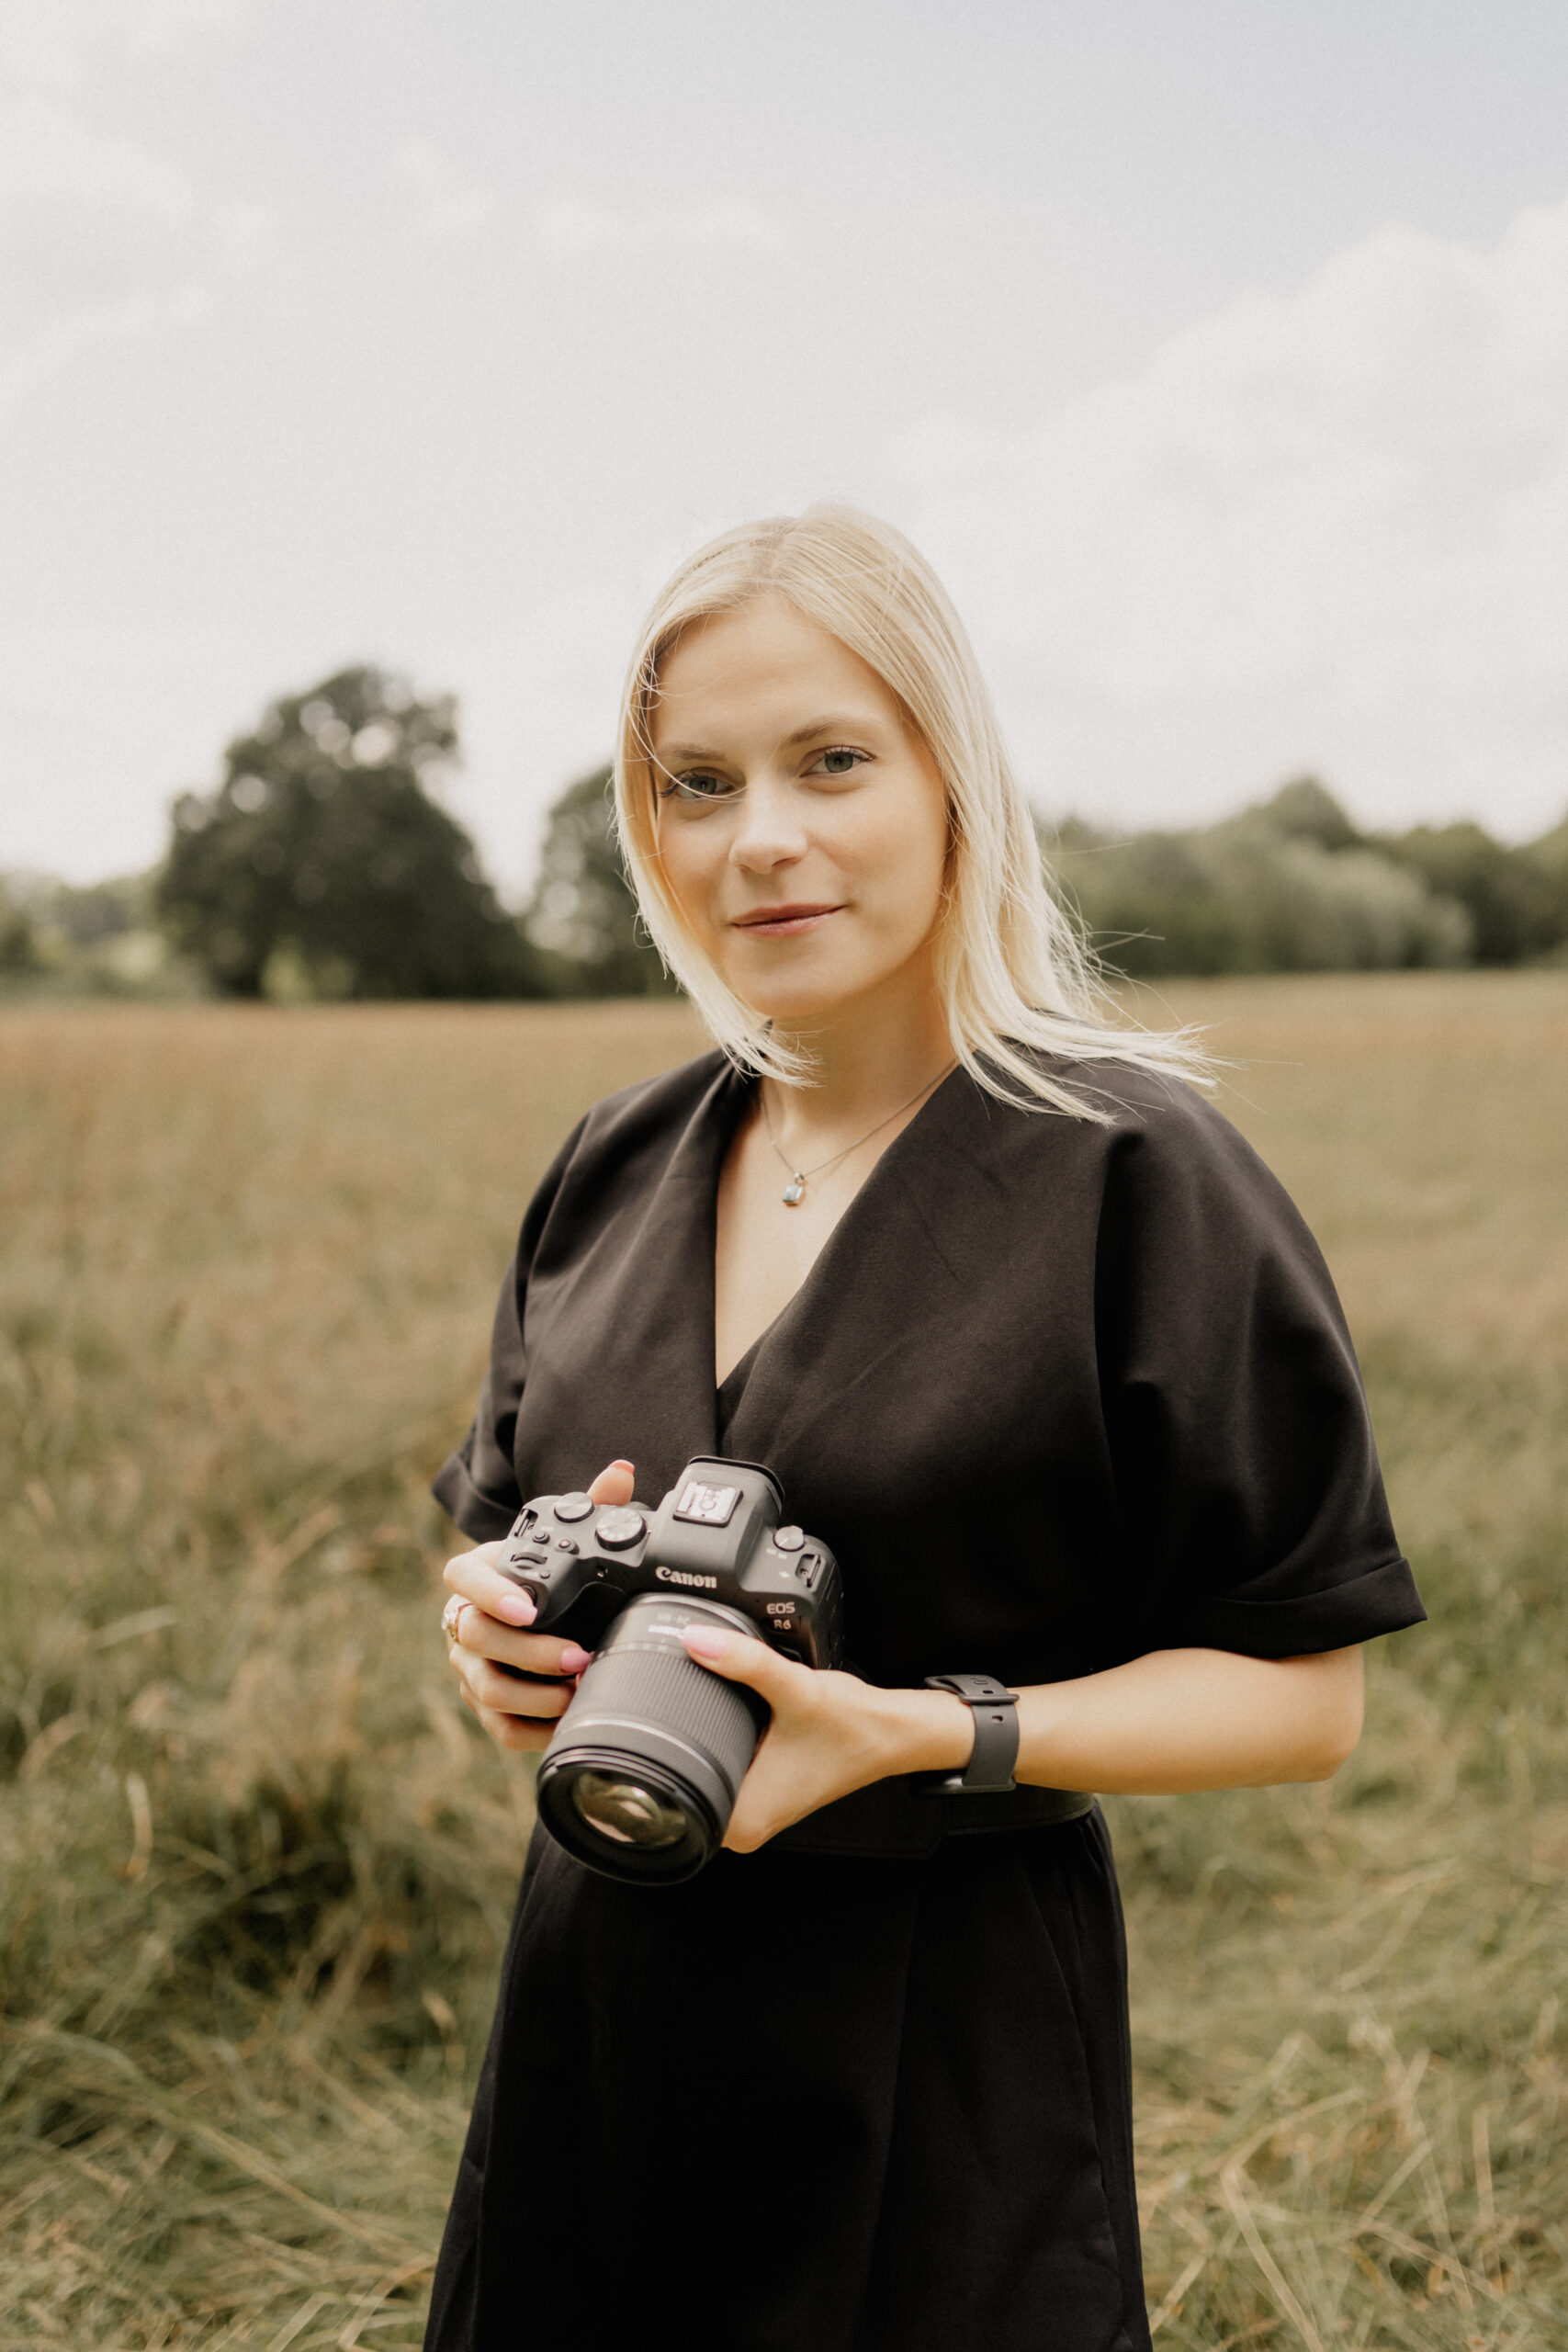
794 1190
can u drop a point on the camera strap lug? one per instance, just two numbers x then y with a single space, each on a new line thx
989 1769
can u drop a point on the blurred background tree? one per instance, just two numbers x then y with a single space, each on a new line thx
582 918
322 866
1291 886
1516 912
19 956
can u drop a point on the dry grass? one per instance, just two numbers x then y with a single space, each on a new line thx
254 1863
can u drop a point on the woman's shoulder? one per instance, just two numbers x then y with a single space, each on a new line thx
628 1135
652 1108
1127 1106
1154 1143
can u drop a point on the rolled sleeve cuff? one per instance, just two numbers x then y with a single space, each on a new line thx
484 1517
1381 1600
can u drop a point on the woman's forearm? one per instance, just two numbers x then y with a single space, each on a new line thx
1174 1721
1193 1719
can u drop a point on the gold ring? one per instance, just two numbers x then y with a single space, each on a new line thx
451 1616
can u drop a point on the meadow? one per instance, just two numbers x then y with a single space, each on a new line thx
255 1864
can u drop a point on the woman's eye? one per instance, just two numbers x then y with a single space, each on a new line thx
695 784
838 762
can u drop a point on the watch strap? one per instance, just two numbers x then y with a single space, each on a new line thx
990 1767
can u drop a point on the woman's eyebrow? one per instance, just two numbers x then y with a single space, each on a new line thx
861 723
666 754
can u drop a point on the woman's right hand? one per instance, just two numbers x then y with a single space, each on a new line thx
490 1639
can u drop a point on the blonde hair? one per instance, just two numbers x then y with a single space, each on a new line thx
1015 976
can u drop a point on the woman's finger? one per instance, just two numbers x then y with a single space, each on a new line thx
508 1694
541 1653
742 1657
517 1733
614 1484
475 1576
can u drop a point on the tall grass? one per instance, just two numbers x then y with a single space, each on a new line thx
255 1864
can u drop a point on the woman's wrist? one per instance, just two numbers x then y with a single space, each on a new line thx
922 1731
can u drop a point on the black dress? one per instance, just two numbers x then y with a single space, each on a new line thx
1057 1395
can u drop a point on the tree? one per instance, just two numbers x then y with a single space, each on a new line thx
1287 886
322 866
19 956
1508 893
582 917
1307 812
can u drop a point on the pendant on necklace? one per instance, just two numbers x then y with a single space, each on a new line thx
795 1192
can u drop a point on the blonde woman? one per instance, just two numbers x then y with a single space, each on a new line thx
1043 1352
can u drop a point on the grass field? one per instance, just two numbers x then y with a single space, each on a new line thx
255 1864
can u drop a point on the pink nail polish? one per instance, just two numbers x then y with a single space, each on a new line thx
515 1609
707 1645
573 1658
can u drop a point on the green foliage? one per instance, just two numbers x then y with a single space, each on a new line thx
324 867
19 938
1290 886
1517 908
582 917
57 939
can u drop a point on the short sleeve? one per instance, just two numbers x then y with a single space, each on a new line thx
477 1485
1250 1501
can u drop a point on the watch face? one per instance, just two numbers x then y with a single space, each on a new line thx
708 1506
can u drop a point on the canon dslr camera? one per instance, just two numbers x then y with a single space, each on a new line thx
641 1776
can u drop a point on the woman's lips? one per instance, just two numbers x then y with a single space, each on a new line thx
782 922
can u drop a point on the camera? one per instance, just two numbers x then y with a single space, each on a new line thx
641 1775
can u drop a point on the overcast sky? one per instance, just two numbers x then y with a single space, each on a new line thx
1216 350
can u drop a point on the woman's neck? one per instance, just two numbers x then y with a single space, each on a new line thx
871 1057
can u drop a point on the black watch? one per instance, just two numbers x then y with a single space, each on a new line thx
989 1769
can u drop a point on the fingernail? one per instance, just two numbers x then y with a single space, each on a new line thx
620 1463
515 1609
707 1645
573 1658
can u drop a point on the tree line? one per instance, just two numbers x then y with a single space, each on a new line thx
325 866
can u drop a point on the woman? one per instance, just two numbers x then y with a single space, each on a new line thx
1045 1355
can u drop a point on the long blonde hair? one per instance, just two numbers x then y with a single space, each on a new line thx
1013 970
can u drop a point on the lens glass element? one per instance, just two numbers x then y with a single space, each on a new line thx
626 1813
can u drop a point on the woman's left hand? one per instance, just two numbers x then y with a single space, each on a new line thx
831 1733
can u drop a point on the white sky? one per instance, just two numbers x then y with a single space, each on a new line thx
1216 350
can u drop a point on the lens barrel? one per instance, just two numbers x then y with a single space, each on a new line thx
641 1776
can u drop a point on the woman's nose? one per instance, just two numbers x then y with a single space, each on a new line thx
769 832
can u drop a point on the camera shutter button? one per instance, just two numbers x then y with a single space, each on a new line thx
788 1539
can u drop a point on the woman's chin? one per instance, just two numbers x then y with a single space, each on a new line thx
799 1008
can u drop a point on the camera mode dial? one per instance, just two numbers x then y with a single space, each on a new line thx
619 1529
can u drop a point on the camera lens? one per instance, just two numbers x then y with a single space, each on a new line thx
640 1778
626 1813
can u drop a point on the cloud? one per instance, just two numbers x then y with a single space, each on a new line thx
53 44
449 209
95 239
86 224
246 237
564 230
1328 528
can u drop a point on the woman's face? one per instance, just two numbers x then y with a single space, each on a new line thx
801 822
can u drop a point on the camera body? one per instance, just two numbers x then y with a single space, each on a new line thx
642 1772
717 1534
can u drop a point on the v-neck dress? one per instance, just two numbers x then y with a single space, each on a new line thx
1056 1394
